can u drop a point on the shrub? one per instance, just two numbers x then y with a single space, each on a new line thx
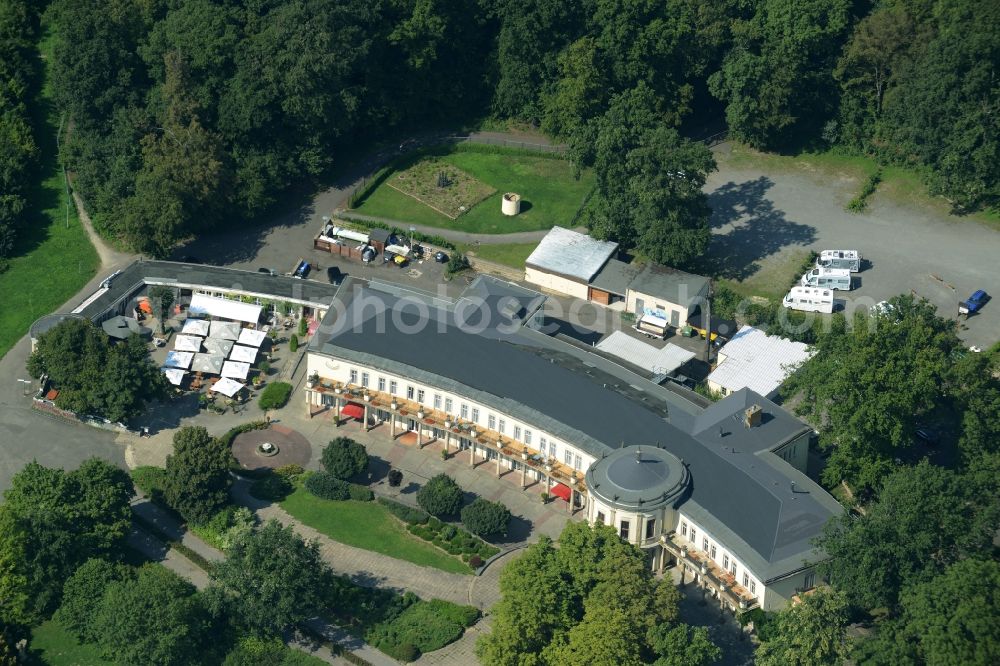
303 327
457 263
265 368
405 652
475 561
327 486
272 487
149 480
448 532
275 395
440 496
407 514
289 471
344 458
360 493
484 517
293 343
395 478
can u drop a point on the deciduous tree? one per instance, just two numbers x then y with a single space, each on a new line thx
273 579
198 480
810 633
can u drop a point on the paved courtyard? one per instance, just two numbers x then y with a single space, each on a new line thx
291 448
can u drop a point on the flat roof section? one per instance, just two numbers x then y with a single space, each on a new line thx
644 355
571 254
615 277
758 361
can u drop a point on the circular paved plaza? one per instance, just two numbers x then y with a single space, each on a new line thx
293 448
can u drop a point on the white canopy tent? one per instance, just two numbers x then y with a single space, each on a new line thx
190 343
218 346
226 330
210 363
227 387
235 370
243 354
174 375
179 359
252 337
224 308
195 327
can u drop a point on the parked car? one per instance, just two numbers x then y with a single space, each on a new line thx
441 257
334 275
928 435
302 270
973 303
267 271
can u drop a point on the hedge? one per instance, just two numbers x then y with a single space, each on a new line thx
408 514
230 435
327 486
275 395
149 480
272 487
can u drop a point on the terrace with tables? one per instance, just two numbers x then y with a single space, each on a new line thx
370 407
708 575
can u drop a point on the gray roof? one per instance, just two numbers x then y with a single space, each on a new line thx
615 277
122 328
670 284
510 369
643 478
571 254
142 273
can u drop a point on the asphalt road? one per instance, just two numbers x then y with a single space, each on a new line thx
760 218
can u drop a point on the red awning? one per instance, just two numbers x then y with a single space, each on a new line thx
561 490
353 410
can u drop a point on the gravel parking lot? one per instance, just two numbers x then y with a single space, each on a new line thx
762 221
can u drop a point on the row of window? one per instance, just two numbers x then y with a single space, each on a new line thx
729 564
471 414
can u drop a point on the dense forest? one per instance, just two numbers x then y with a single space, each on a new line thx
18 150
188 115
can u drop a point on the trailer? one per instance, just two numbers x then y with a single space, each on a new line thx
809 299
844 259
830 278
652 326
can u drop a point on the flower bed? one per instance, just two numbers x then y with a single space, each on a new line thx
447 537
402 626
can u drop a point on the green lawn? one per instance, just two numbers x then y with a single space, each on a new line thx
368 525
549 194
52 258
508 254
56 647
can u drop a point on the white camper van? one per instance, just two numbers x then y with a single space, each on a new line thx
652 326
831 278
809 299
845 259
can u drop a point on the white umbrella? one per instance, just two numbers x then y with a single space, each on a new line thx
227 387
191 343
251 337
179 359
174 375
195 327
243 354
235 370
227 330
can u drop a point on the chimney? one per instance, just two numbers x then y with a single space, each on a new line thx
752 416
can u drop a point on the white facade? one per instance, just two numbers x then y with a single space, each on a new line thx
556 283
458 406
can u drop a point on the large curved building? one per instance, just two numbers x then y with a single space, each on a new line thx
717 487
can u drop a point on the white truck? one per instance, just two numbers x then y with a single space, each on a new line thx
809 299
845 259
831 278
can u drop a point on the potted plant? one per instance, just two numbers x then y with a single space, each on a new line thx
444 455
545 497
313 380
